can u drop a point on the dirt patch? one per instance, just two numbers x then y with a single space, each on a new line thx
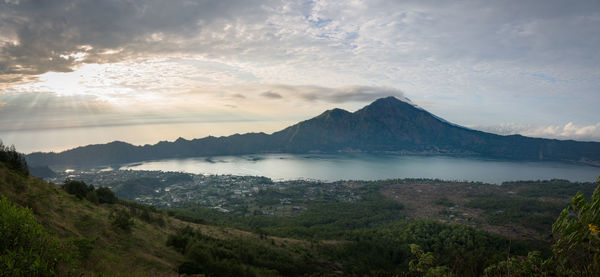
446 202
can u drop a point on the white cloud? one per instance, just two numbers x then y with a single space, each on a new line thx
567 131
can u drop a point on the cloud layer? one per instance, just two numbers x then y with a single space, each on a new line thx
471 62
375 37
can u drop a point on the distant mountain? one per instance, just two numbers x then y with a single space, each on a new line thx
387 125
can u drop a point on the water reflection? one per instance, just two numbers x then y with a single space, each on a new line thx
373 167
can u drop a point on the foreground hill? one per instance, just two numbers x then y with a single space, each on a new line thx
387 125
80 237
85 231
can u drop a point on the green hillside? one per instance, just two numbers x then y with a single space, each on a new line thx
92 240
76 229
85 229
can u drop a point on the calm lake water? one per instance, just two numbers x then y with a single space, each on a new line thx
373 167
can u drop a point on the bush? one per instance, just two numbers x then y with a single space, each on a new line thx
121 219
77 188
92 196
84 247
444 202
26 249
105 195
576 231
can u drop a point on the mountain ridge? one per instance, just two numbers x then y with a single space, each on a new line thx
387 125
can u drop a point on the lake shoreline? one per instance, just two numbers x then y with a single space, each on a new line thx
368 167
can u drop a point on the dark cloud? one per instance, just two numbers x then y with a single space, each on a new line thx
272 95
42 36
327 94
351 94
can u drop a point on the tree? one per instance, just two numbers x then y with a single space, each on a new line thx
77 188
105 195
13 159
576 251
424 263
92 196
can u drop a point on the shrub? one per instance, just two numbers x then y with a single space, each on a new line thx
180 240
577 246
444 202
84 247
105 195
77 188
92 197
121 219
26 249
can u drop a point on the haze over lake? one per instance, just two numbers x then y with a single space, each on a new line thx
60 139
373 167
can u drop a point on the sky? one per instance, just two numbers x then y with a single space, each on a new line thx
528 67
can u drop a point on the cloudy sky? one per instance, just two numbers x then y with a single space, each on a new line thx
529 67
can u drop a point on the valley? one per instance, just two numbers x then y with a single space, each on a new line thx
521 210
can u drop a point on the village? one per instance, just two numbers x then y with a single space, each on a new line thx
224 193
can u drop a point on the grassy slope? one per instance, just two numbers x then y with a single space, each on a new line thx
70 218
142 251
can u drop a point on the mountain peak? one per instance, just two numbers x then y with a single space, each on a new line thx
392 100
390 104
389 99
390 124
335 113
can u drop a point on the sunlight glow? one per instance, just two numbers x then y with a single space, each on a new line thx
76 56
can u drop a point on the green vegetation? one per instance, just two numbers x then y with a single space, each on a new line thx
240 257
105 195
463 250
77 188
121 219
554 188
444 202
13 159
82 190
536 214
383 251
347 228
577 248
74 236
317 222
131 188
26 248
576 245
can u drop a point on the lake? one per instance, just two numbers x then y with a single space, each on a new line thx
373 167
